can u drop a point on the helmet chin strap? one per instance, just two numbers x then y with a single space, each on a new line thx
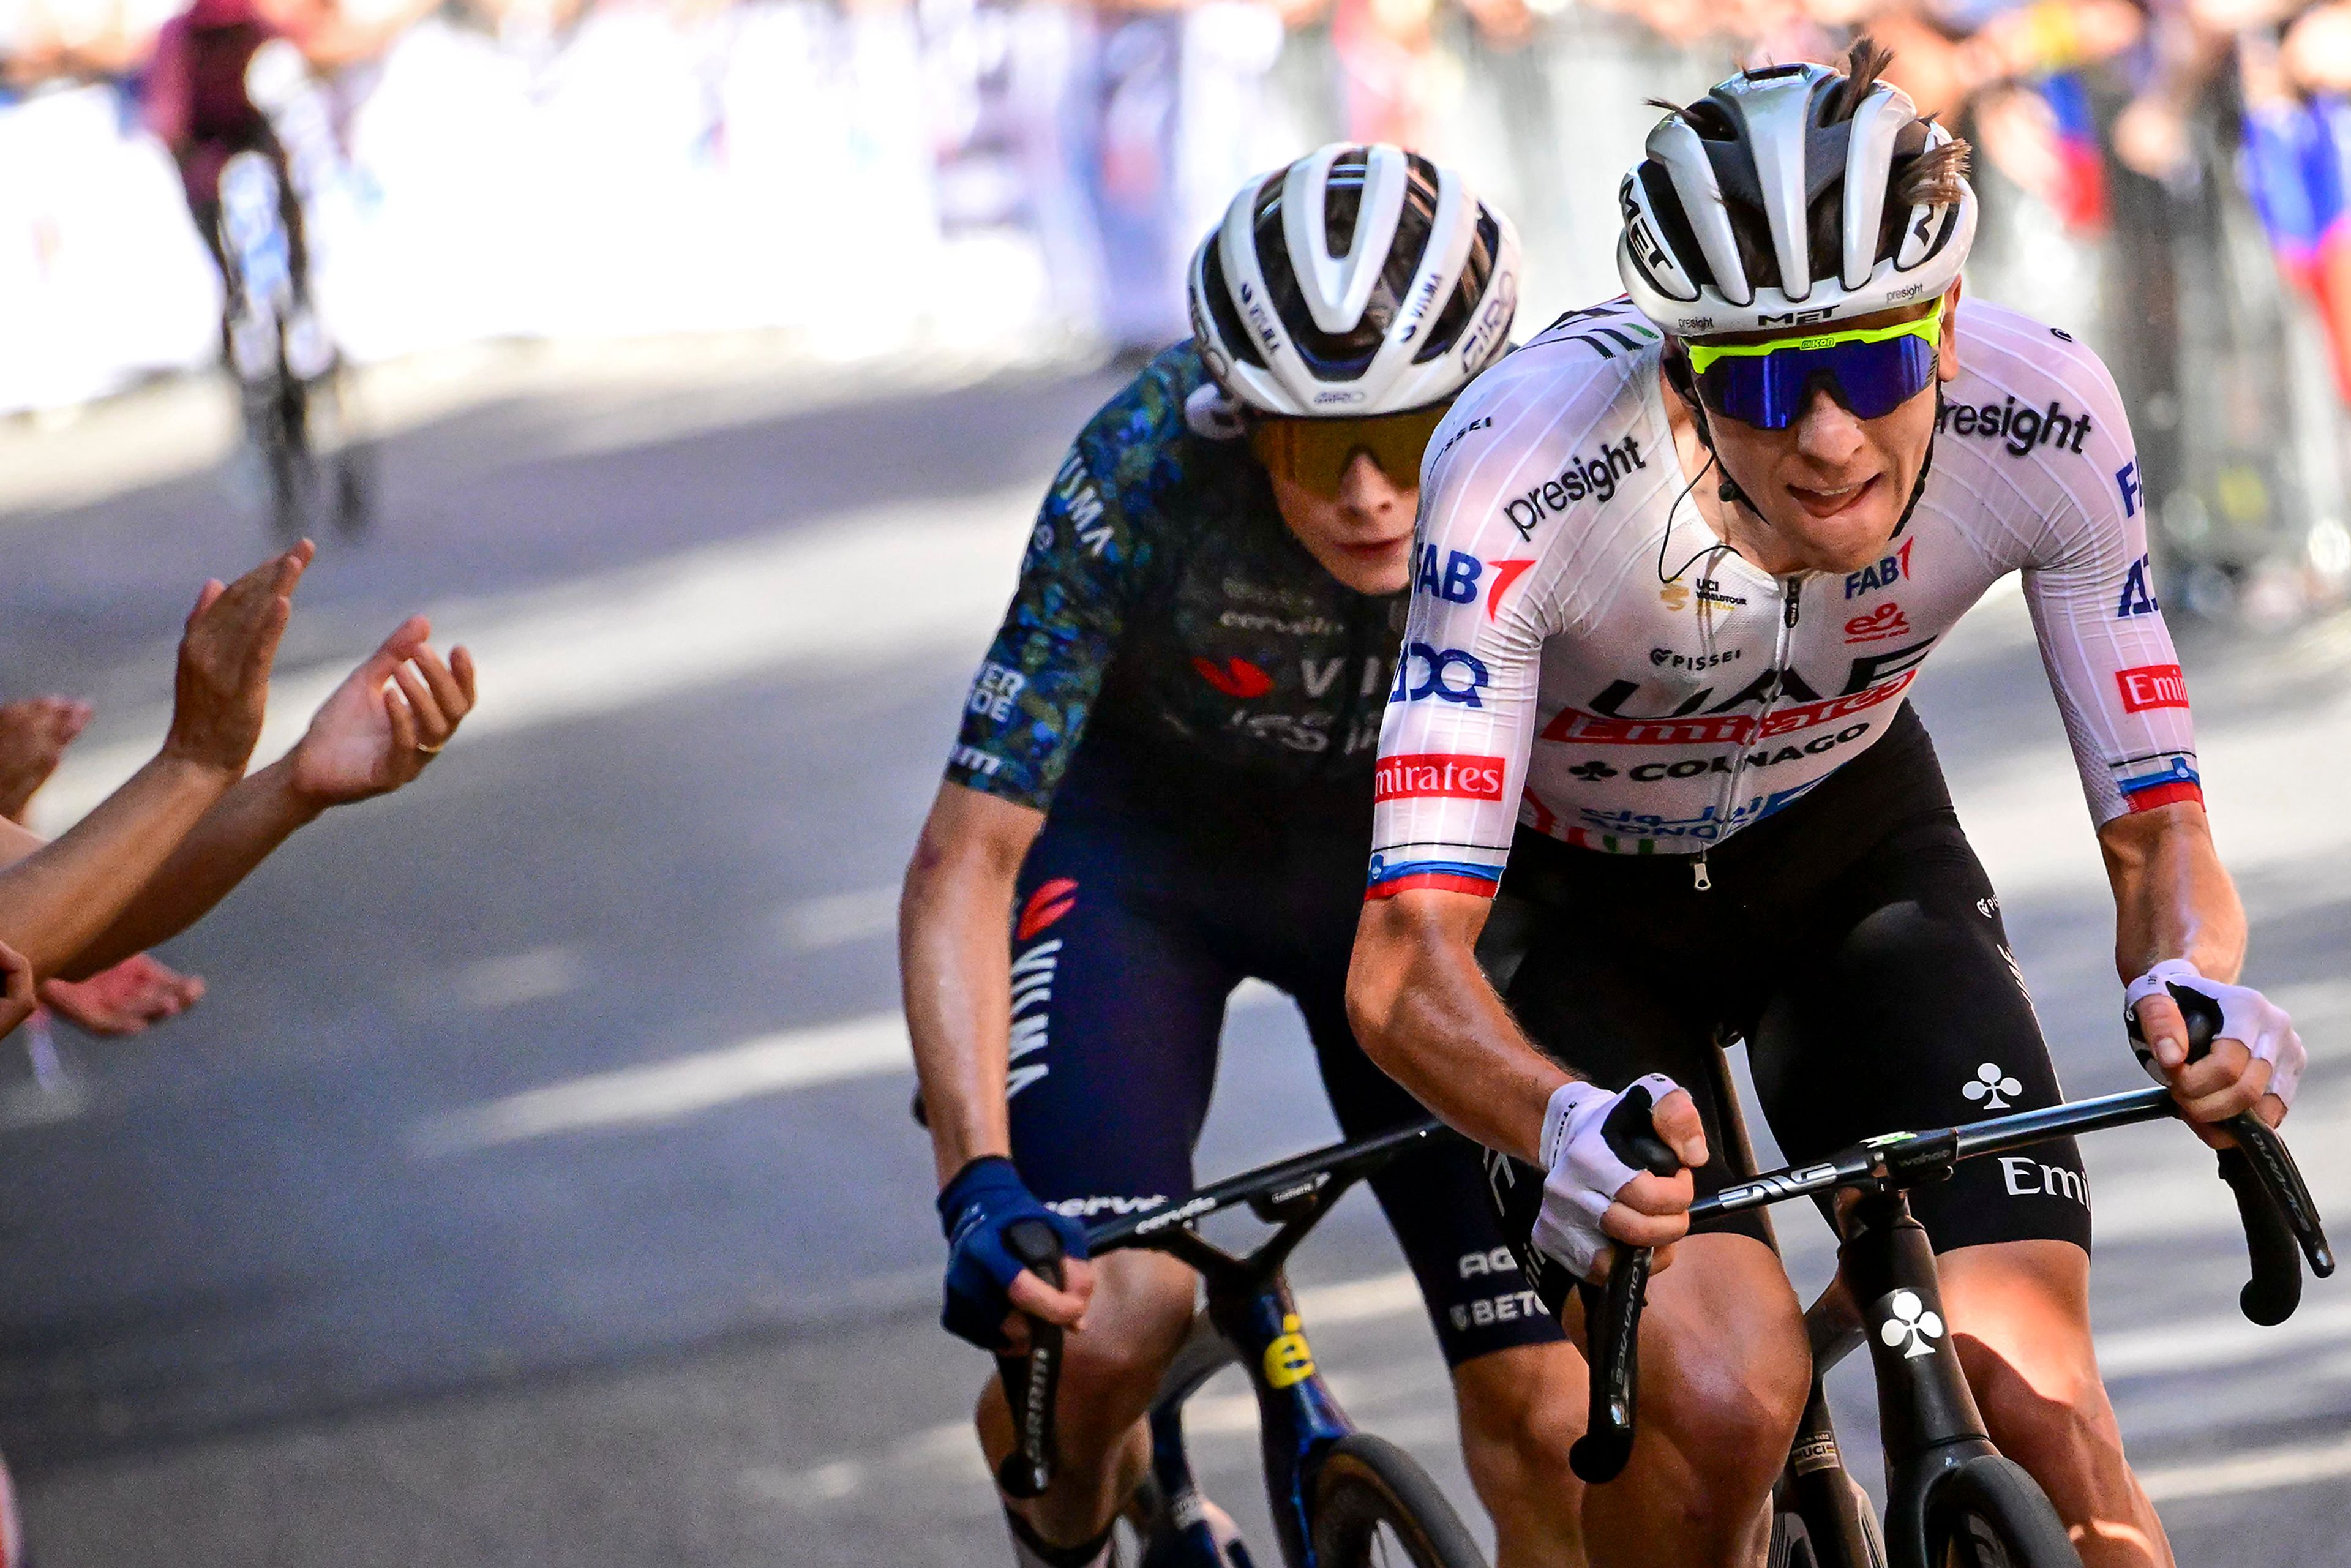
1678 376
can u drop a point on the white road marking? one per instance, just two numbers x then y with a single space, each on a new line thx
2271 1469
684 1086
519 978
2224 1341
879 587
669 1090
841 918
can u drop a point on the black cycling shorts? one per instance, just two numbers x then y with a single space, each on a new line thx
1140 909
1852 940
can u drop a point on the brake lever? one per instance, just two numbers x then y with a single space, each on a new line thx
1611 1312
1032 1382
2274 1203
1612 1331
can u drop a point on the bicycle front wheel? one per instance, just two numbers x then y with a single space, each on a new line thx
1374 1507
1988 1513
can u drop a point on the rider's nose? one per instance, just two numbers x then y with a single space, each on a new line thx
1366 491
1827 432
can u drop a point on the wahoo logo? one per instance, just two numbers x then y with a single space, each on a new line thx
1047 904
1234 677
2136 598
1032 1000
1886 621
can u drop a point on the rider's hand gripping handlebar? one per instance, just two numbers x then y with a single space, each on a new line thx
1031 1381
1612 1311
2271 1199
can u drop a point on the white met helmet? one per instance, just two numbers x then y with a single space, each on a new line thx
1360 280
1793 194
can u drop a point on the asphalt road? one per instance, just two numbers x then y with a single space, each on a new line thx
535 1185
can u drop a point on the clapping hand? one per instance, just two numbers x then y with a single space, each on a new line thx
223 684
389 719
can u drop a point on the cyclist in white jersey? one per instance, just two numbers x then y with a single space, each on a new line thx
1680 558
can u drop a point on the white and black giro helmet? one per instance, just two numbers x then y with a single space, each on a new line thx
1793 194
1360 280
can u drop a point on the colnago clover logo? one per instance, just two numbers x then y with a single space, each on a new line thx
1912 1320
1995 1088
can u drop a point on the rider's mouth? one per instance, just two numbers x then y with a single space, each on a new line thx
1824 504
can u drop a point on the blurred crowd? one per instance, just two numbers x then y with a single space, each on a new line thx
883 175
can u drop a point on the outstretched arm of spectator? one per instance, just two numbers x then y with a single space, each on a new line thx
33 735
379 730
57 897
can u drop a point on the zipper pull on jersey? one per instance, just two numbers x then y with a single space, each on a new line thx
1795 593
1698 877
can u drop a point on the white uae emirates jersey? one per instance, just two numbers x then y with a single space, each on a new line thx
1585 657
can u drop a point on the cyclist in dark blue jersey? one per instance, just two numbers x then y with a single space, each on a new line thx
1163 786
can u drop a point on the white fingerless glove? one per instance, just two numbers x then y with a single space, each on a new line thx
2246 1015
1583 1175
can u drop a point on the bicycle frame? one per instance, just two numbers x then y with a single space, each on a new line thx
1250 1307
1927 1416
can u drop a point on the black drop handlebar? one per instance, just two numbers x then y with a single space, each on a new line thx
1032 1382
2273 1201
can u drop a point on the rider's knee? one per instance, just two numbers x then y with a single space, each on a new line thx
1732 1421
1141 1311
1521 1410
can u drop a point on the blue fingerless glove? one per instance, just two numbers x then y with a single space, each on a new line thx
985 1198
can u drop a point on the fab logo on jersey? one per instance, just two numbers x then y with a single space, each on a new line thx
1456 583
1457 578
1885 574
1422 775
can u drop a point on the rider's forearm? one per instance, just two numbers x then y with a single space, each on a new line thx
956 976
2173 898
1426 1014
56 900
240 831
